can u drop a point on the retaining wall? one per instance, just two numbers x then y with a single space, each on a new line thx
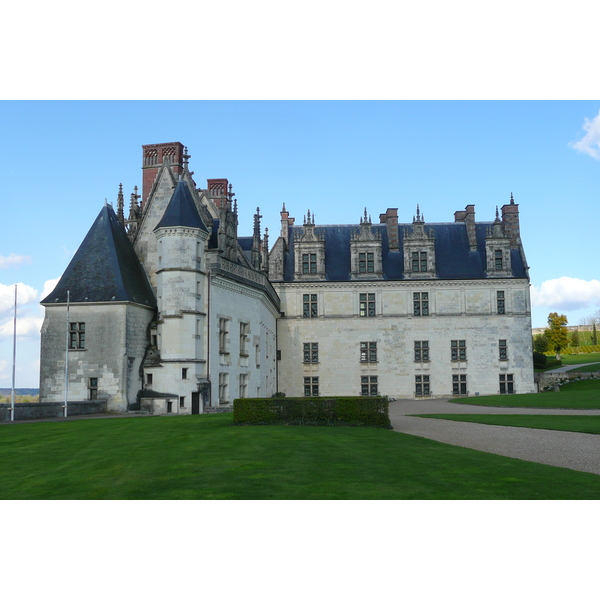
50 410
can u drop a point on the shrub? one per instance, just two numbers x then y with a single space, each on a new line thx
539 360
356 410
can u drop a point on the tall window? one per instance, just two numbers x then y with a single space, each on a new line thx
368 385
223 388
422 385
366 262
311 352
421 304
243 339
421 351
419 262
309 264
243 385
500 303
368 352
502 350
366 305
498 260
181 401
459 385
311 386
223 335
76 336
184 372
93 387
507 384
309 305
458 349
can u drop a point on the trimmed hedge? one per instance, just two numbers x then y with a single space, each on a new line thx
367 411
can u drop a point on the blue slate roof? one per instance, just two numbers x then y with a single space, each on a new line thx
181 210
105 268
454 259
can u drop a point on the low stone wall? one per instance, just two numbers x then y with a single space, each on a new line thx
217 409
51 410
549 381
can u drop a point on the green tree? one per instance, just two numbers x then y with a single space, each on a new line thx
594 335
557 332
575 339
540 342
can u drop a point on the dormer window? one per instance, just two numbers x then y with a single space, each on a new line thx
310 252
365 250
309 264
366 262
419 262
498 259
419 250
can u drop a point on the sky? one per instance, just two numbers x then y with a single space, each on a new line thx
62 159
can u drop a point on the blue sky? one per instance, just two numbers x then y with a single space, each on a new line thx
61 159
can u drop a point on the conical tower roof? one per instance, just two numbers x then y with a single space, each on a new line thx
181 210
105 268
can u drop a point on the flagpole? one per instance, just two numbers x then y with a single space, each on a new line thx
67 358
12 396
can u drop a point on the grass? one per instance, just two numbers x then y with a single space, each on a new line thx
587 368
576 423
579 359
206 457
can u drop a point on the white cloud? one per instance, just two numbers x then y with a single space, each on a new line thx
13 260
49 287
566 293
25 295
27 325
590 142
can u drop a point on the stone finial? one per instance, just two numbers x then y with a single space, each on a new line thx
512 200
186 157
120 204
497 213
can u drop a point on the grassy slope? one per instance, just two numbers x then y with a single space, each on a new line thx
206 457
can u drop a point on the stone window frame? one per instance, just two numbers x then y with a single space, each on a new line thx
223 388
420 261
367 304
243 385
368 352
458 350
77 335
422 385
93 388
421 304
421 349
311 386
244 337
366 262
502 350
506 383
224 335
459 385
369 385
309 263
310 306
500 302
310 353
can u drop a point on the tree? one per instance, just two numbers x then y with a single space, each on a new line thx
557 332
594 335
540 342
575 339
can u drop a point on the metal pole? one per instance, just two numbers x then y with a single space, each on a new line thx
67 358
12 396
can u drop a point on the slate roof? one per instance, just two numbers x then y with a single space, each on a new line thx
105 268
454 260
181 210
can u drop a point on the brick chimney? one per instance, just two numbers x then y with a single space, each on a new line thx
218 192
467 217
510 222
155 155
390 218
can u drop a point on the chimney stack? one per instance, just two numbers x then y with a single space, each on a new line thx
155 155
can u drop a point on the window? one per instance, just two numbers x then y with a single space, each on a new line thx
311 352
368 352
368 385
93 387
76 336
169 406
184 373
459 385
311 386
367 305
422 385
223 388
421 351
366 262
257 353
243 385
181 401
419 262
309 305
149 378
502 350
500 303
243 339
458 349
507 384
223 335
421 304
498 260
309 264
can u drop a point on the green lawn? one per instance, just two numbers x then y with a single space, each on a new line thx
206 457
576 423
579 359
587 369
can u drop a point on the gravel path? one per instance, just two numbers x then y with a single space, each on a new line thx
578 451
572 368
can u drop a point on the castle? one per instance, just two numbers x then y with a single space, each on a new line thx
168 310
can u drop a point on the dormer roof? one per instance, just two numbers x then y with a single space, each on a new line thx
181 210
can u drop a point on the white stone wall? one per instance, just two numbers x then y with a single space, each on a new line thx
458 311
115 342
